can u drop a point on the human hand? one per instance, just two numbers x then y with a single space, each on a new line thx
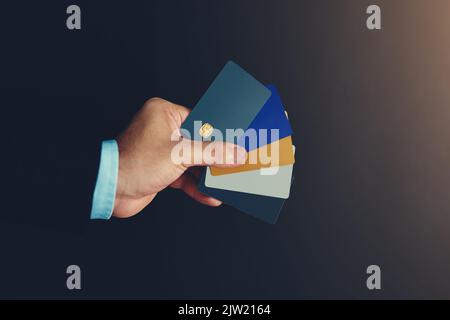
145 163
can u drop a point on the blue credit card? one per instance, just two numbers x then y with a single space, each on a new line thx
271 117
264 208
231 102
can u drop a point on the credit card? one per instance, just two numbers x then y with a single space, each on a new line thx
263 158
231 102
270 118
275 183
264 208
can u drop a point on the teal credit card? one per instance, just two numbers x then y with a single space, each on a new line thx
231 102
264 208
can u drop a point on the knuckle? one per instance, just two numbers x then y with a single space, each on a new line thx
152 101
153 104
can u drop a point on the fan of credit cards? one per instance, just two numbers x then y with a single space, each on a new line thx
238 103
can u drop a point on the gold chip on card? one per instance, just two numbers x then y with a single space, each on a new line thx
206 130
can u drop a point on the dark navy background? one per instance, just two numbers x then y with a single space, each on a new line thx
370 115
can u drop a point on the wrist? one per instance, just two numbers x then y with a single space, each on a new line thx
121 178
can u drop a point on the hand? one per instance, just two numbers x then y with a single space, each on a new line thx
145 163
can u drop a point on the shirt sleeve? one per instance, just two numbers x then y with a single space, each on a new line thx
105 187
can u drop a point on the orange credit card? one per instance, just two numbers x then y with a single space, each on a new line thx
278 153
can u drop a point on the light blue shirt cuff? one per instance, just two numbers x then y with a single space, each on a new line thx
105 188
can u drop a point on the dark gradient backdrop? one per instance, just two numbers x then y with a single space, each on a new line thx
370 111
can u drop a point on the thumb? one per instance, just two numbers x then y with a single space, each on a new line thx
216 153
